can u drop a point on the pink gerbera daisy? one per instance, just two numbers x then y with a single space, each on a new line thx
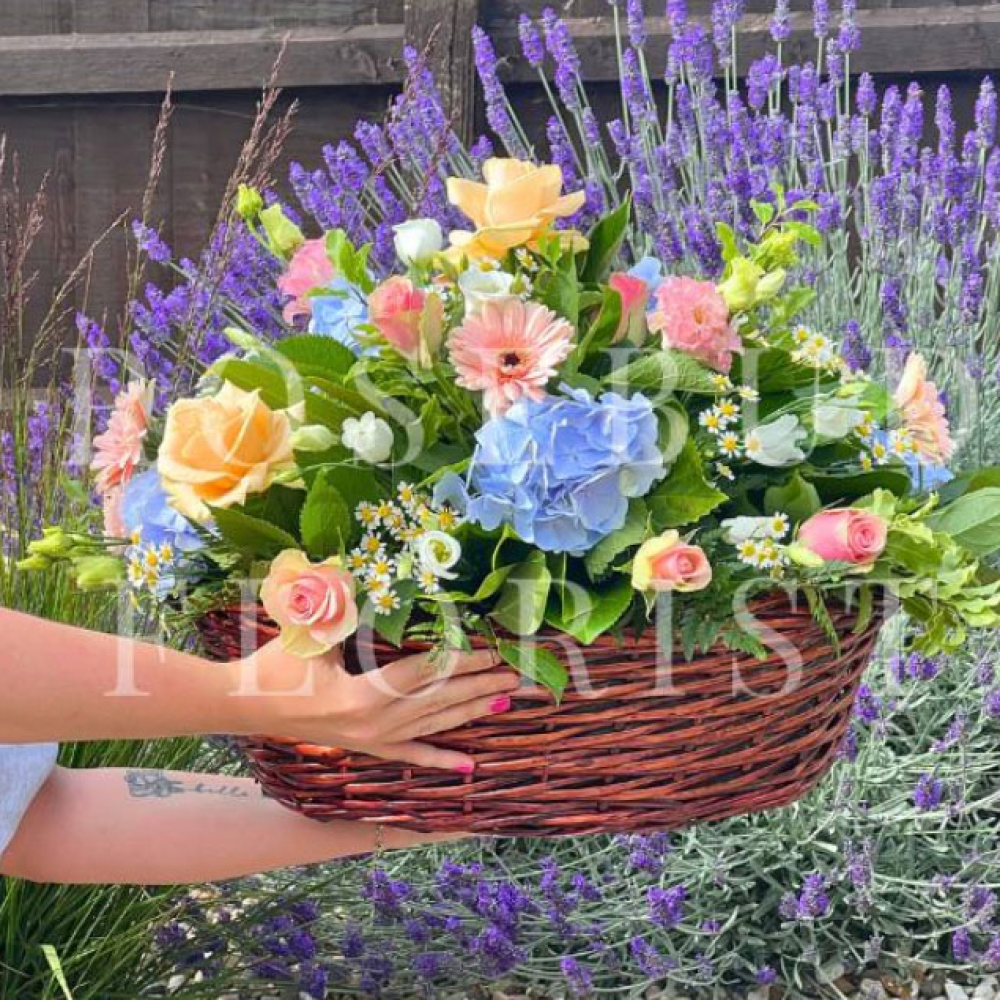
119 448
508 350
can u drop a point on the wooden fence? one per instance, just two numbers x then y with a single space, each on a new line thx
81 81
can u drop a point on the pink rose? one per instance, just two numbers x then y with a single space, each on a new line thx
693 317
667 563
849 535
313 604
635 297
309 268
410 320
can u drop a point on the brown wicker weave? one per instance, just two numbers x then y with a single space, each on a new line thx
623 759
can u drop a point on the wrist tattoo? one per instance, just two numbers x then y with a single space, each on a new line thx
157 784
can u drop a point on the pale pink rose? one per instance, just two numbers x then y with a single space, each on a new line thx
635 297
396 308
693 317
309 268
508 350
313 603
114 514
923 412
666 563
119 449
848 535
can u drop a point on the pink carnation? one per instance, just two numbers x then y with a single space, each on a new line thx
509 350
693 317
119 448
309 268
923 412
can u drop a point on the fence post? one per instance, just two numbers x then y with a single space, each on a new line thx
443 30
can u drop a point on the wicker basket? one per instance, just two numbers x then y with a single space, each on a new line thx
624 758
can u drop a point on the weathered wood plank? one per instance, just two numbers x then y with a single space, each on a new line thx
442 29
110 15
210 60
36 17
899 40
187 15
911 40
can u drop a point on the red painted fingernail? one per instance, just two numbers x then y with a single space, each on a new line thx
500 704
465 768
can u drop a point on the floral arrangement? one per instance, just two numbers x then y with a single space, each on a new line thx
512 434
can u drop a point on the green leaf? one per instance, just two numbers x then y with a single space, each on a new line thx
322 353
392 627
252 375
249 535
632 532
588 614
763 210
973 521
605 243
727 240
664 372
843 488
772 369
562 290
521 606
685 495
601 332
280 506
821 615
537 664
969 483
797 498
326 522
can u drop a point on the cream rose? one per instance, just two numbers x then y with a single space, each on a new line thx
219 449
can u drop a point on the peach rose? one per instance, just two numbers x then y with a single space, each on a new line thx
848 535
667 563
923 412
309 268
635 297
219 449
411 321
518 204
313 603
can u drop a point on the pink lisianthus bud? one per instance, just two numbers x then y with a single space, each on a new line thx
634 293
309 268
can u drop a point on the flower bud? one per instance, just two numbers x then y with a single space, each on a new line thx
249 203
99 572
313 437
417 241
740 288
283 236
370 438
34 563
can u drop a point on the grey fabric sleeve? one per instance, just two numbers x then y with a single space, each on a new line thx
23 770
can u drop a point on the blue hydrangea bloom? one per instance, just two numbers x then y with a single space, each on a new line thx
340 314
924 475
145 508
560 471
650 270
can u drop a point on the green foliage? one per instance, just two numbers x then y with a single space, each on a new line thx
605 243
797 498
536 663
973 521
327 522
685 495
661 373
392 627
588 612
632 532
250 536
520 608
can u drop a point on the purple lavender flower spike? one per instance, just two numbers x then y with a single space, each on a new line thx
531 41
986 115
928 793
781 22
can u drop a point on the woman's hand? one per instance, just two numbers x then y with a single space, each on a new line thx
382 712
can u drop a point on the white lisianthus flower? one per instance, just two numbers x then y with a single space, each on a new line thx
776 444
742 529
369 437
417 240
479 287
437 553
836 421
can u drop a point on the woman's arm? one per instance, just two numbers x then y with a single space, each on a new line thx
61 683
138 827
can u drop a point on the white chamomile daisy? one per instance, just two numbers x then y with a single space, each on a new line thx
372 545
407 494
748 551
429 583
710 420
866 462
381 567
728 410
384 601
801 335
357 560
367 514
778 526
748 393
448 519
725 471
900 443
729 444
880 453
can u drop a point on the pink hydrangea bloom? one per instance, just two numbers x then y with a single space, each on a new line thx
509 350
693 317
923 412
119 449
309 268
